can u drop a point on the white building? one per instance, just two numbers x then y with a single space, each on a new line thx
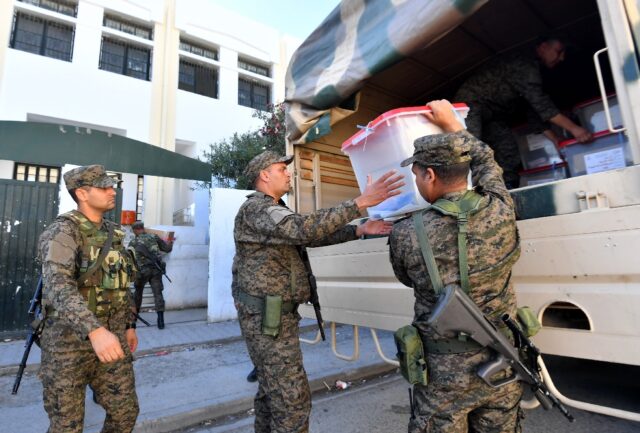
179 75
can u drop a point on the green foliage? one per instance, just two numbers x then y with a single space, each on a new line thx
229 157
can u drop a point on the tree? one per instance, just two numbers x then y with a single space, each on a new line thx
230 156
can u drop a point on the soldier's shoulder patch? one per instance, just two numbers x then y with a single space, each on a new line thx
278 213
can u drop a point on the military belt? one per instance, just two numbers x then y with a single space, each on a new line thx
258 302
451 345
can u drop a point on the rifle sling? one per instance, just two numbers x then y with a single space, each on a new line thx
427 253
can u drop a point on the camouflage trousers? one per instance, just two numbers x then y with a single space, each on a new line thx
65 376
154 278
498 135
456 400
283 401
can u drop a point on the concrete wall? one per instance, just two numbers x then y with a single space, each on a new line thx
187 266
224 207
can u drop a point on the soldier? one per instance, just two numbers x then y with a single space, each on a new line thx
89 332
268 269
147 249
456 399
493 94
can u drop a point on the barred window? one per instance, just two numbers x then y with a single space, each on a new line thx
36 173
44 37
254 94
126 26
198 49
254 67
66 7
197 78
124 58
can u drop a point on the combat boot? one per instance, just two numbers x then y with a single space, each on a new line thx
160 319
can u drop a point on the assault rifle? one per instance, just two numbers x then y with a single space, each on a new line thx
142 249
456 313
35 330
137 316
313 299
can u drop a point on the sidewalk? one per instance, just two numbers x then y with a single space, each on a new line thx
189 372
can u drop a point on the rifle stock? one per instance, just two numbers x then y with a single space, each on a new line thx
455 313
35 330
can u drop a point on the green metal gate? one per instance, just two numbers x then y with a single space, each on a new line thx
26 208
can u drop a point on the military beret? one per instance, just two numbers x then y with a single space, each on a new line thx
89 175
262 162
440 150
137 225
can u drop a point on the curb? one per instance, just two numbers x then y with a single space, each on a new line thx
241 406
12 370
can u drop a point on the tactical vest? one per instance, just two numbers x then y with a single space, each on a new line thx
107 287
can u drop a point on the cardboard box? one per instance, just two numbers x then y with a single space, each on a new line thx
162 234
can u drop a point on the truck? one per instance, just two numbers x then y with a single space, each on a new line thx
579 269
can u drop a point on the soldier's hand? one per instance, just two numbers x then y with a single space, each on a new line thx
106 345
581 134
132 339
385 186
443 115
374 227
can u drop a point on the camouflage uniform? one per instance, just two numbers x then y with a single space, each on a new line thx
493 94
456 400
147 271
69 363
267 262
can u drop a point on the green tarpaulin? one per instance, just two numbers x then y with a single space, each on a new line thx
358 39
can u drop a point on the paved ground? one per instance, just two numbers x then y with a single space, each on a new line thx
382 406
189 372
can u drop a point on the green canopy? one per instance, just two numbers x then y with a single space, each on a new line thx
50 144
358 39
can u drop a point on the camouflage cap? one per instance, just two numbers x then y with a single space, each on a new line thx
89 175
137 225
263 161
440 150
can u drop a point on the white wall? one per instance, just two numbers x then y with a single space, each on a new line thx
224 207
187 266
6 169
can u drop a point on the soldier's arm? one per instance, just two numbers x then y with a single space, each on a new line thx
58 252
485 171
163 245
283 226
344 234
397 256
526 79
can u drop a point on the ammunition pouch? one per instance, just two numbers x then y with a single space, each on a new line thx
272 315
101 300
413 365
272 309
528 321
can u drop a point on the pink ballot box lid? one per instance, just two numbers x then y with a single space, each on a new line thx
382 119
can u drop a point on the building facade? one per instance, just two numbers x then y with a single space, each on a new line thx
179 75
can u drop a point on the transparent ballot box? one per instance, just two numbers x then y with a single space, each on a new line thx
383 144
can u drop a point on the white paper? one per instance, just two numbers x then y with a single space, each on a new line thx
605 160
537 141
